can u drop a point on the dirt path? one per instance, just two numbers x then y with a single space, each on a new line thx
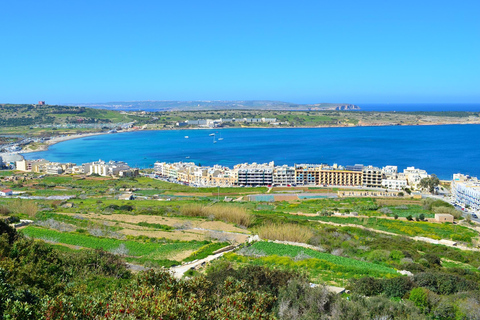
180 270
447 243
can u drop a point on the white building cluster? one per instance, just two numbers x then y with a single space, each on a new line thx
102 168
466 191
268 174
213 123
409 178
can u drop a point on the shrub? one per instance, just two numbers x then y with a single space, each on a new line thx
397 287
385 210
433 260
396 255
27 207
367 286
300 301
4 211
419 296
409 217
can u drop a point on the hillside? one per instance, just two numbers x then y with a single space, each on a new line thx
79 247
216 105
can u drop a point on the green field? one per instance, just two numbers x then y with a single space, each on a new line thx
318 265
145 251
410 228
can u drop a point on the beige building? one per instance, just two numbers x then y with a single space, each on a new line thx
443 217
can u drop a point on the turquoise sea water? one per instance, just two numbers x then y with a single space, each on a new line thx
443 150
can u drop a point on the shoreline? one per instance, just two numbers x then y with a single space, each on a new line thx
55 140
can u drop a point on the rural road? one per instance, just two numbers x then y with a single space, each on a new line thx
180 270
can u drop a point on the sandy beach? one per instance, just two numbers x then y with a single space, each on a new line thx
54 140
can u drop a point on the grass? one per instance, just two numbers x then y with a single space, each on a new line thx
206 250
285 232
319 266
156 226
413 210
410 228
232 214
145 251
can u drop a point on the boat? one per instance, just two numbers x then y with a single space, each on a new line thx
219 139
212 134
186 137
187 157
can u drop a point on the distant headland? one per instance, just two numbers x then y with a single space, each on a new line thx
166 105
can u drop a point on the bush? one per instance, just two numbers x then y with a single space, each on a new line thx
300 301
442 283
397 287
4 211
419 296
433 260
367 286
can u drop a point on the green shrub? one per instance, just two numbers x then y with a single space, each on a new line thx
367 286
397 287
419 296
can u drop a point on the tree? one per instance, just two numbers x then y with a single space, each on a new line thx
430 183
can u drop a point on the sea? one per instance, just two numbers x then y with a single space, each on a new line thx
439 149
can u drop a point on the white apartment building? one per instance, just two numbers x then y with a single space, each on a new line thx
414 176
466 191
390 171
111 168
283 175
255 174
394 183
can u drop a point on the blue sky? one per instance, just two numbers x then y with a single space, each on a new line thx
297 51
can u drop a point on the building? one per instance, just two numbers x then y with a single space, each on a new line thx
283 176
466 191
54 169
390 171
102 168
414 176
372 177
338 176
6 192
254 174
307 174
41 103
31 165
443 218
396 183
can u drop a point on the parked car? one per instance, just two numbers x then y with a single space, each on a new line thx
474 216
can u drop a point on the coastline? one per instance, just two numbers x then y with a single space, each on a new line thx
55 140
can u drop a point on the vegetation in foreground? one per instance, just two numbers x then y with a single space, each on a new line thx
97 229
40 282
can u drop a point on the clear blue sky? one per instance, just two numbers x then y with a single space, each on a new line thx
298 51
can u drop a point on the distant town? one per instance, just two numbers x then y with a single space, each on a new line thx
377 182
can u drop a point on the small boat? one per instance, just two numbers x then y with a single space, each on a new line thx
219 139
187 157
212 134
186 137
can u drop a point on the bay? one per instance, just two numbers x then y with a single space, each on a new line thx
440 149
